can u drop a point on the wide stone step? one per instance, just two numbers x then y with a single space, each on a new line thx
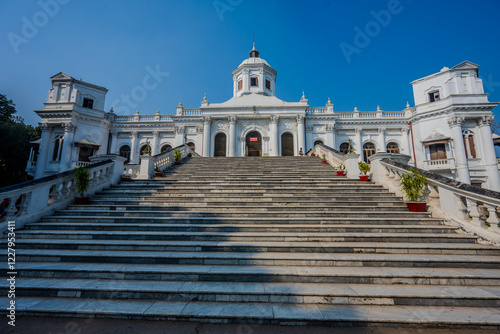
309 210
260 259
373 213
284 205
293 274
261 247
243 220
248 236
263 313
181 198
270 292
231 228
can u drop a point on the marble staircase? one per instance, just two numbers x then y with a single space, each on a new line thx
279 240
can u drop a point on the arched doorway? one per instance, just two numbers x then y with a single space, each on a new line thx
317 142
287 144
253 144
368 151
220 145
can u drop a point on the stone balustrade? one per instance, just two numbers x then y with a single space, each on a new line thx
474 209
160 161
29 201
336 158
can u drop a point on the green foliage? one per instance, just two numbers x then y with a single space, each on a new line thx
157 169
341 167
413 185
363 167
177 154
323 157
15 137
82 178
147 150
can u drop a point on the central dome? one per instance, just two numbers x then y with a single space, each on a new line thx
254 58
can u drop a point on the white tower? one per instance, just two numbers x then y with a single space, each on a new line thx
254 76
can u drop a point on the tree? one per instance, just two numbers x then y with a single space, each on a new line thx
15 138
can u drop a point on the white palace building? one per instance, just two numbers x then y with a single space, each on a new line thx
447 132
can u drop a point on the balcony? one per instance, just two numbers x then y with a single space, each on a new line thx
440 164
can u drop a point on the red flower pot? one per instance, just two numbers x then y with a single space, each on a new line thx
158 174
340 173
363 178
177 162
82 200
313 155
125 178
416 206
323 162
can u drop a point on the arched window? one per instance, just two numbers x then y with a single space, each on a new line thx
142 151
392 148
368 151
318 142
125 152
191 145
470 147
344 148
58 143
165 148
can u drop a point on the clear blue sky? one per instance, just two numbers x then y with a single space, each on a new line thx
110 43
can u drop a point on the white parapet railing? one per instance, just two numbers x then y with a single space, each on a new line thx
29 201
145 170
336 158
474 209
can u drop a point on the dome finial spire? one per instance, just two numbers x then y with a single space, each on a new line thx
254 53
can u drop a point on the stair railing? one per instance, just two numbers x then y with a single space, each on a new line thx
161 161
336 158
28 202
474 209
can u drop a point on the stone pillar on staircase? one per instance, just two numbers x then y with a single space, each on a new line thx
67 149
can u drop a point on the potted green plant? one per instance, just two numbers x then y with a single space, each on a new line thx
323 159
364 168
413 185
157 172
82 179
340 170
177 156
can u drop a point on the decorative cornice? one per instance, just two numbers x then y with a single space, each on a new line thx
232 119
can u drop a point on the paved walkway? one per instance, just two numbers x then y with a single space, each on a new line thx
44 325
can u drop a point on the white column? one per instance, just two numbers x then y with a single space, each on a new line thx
274 136
331 136
489 156
154 145
232 135
381 140
67 149
301 133
406 142
358 143
460 157
114 142
43 155
206 136
134 159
